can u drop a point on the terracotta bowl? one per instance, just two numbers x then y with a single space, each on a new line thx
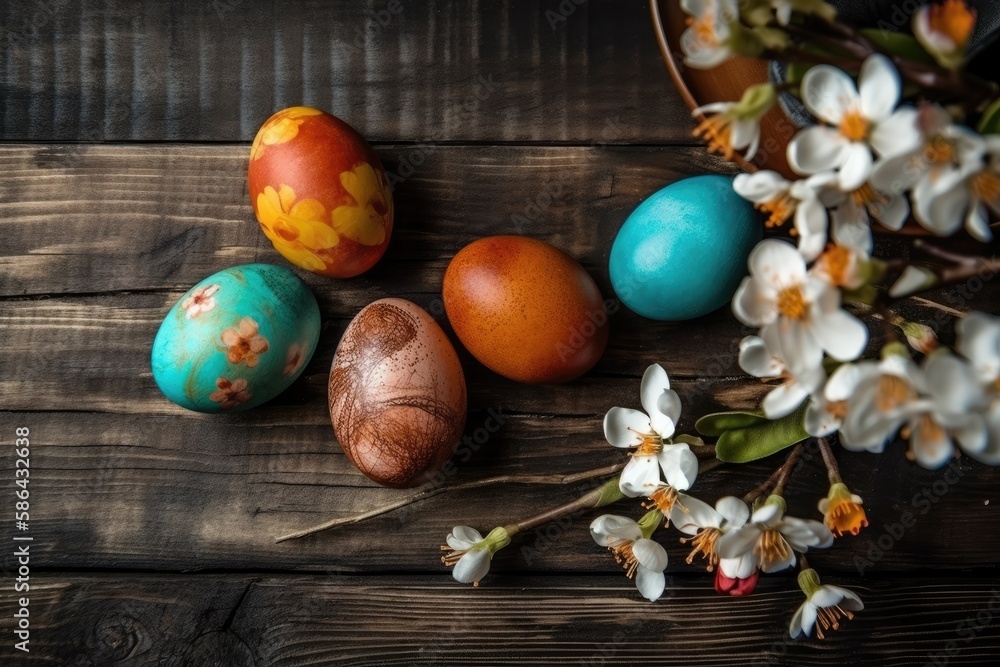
724 83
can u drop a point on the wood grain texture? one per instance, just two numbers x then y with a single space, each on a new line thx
286 621
100 241
86 219
215 70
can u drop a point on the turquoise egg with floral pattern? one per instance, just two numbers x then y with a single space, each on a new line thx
237 339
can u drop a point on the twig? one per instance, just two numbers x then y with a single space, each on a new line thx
764 486
944 254
475 484
832 469
786 470
938 306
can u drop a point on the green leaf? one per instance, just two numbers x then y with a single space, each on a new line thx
990 122
718 423
684 438
762 439
899 44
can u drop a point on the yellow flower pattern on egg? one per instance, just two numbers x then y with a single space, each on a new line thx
296 228
365 220
280 128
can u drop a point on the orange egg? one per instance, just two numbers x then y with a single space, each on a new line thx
320 193
525 309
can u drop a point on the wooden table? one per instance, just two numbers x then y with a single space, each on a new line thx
126 129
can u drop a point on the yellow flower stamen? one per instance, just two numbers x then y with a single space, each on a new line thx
778 210
986 187
939 151
792 303
954 19
651 445
625 557
836 263
893 391
703 27
829 619
663 498
452 556
841 513
771 548
703 545
854 126
838 409
717 132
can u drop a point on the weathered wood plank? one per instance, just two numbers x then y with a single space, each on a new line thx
86 219
181 492
282 621
397 70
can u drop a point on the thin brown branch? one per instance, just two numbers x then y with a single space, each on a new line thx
832 469
475 484
787 469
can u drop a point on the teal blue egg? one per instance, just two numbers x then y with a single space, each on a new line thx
237 339
683 252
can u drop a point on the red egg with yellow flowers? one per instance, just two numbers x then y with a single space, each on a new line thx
320 193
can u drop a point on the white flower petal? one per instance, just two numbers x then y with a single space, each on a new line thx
943 211
623 426
753 303
828 93
472 567
848 599
650 555
798 344
689 515
898 173
952 383
662 405
931 446
649 583
640 476
712 108
979 342
809 613
463 537
892 213
842 335
739 568
757 360
761 186
856 168
768 514
879 87
897 135
733 510
609 529
911 280
817 149
811 223
977 223
784 399
776 263
679 465
737 542
845 379
668 412
795 627
819 420
850 229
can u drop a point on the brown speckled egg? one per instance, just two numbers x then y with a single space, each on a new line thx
525 309
397 394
